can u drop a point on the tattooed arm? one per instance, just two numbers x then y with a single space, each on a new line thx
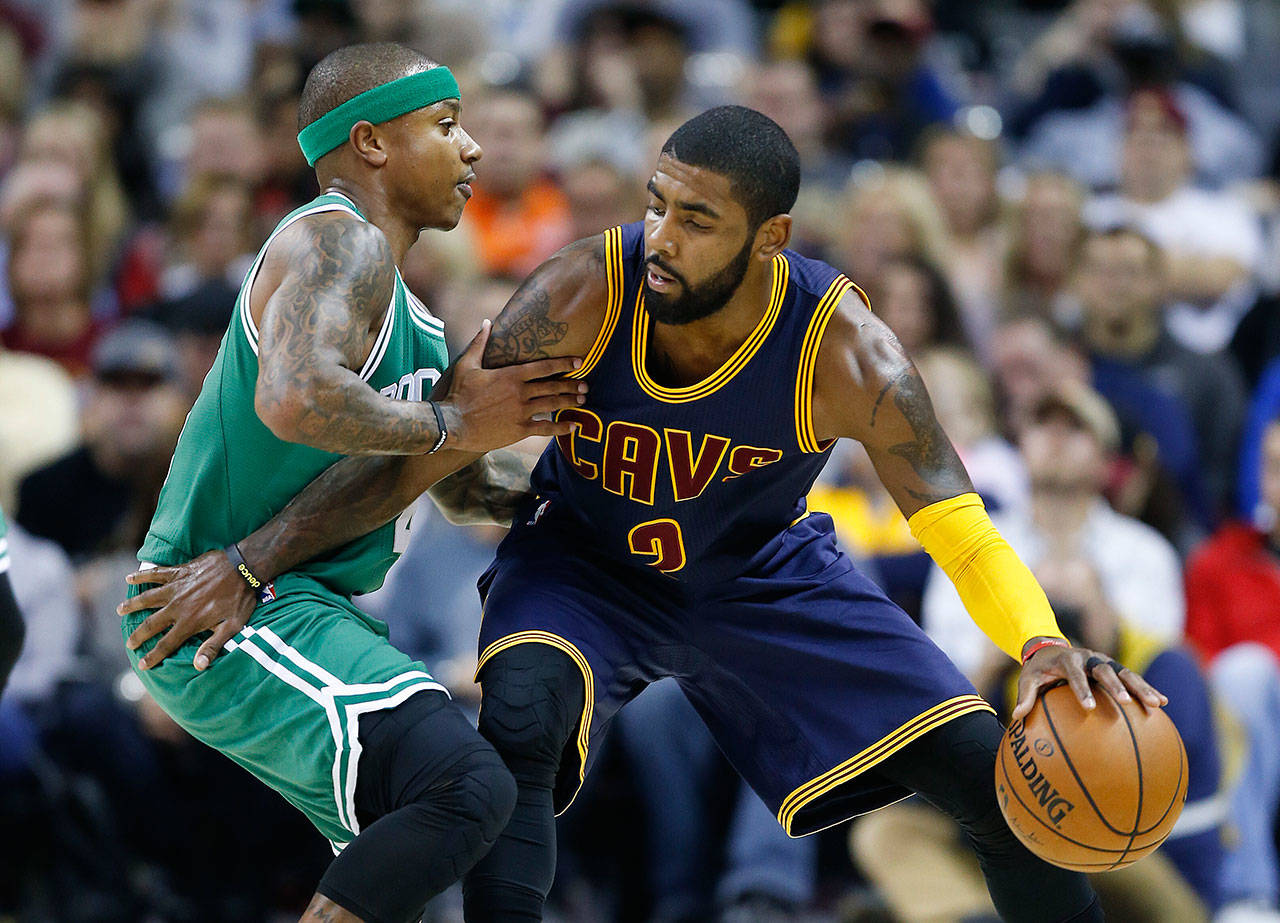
489 489
327 281
555 315
866 388
320 300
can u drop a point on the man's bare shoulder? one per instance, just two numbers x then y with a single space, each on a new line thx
332 248
557 311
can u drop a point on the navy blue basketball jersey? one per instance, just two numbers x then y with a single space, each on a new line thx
696 482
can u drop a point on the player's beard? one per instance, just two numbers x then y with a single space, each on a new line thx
696 303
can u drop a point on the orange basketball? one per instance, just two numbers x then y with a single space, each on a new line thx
1091 790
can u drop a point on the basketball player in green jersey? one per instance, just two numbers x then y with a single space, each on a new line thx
328 355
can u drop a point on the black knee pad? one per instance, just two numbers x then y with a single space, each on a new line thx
532 703
479 791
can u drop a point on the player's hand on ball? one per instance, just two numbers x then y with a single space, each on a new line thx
205 594
491 408
1077 665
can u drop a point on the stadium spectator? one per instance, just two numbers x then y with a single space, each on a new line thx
518 216
39 417
1119 280
1097 56
1207 271
51 284
915 300
100 497
1044 232
880 86
961 170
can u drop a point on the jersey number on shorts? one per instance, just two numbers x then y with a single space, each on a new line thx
661 541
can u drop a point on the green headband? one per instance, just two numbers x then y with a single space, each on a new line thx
381 104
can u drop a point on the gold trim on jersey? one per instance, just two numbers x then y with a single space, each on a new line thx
808 360
735 363
534 636
882 749
613 303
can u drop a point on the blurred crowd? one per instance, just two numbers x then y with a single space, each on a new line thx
1067 210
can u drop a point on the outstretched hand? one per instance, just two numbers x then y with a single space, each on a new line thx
1077 665
205 594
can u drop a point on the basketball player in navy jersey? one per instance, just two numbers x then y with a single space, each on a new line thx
668 535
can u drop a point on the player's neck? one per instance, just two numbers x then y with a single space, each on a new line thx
690 352
372 203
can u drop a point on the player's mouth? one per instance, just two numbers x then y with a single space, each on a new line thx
465 186
658 280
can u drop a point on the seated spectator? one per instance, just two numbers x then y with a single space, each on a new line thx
1233 619
1233 579
1098 557
1158 471
74 134
914 299
1123 48
881 87
39 417
1044 233
600 194
212 236
886 214
1118 281
101 495
51 285
965 405
1212 243
518 216
961 170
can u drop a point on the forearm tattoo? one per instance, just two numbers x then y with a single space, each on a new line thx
487 491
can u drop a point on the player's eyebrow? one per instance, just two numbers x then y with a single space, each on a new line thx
455 105
698 207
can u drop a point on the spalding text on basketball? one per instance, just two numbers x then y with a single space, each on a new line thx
1055 806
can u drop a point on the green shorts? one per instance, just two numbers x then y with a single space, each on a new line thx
285 696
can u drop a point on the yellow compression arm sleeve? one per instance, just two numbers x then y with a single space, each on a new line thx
995 586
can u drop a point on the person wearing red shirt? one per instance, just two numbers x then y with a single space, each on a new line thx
1233 618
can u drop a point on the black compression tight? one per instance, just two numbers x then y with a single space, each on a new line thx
533 696
953 768
431 797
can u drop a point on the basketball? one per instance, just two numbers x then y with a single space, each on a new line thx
1093 790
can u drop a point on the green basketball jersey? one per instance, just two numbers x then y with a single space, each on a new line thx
230 474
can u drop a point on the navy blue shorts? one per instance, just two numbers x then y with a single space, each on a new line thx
802 669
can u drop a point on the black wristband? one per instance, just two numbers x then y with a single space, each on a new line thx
444 432
237 561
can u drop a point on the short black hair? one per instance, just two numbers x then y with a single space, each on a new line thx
346 73
750 149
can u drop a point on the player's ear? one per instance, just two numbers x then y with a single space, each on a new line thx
369 143
773 236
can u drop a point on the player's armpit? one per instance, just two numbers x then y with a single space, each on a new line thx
558 310
867 389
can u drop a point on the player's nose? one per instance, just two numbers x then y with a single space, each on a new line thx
471 151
